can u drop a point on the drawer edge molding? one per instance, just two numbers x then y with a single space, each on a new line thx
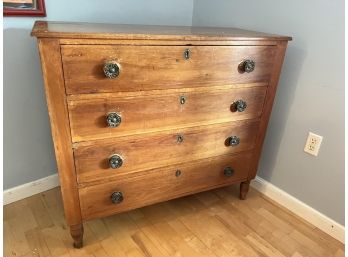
160 92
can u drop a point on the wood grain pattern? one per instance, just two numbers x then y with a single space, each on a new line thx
213 223
161 184
142 114
58 112
161 67
142 152
135 32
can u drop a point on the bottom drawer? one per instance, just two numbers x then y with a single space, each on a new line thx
162 184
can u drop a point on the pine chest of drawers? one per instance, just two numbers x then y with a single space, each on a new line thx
143 114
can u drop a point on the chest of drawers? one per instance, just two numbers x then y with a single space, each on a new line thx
143 114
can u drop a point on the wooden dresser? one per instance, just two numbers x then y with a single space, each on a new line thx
144 114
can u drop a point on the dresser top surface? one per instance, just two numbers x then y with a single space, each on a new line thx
81 30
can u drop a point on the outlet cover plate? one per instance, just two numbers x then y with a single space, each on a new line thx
313 144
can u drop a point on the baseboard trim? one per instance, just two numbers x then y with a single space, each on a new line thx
301 209
23 191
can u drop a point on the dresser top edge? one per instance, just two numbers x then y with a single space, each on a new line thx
83 30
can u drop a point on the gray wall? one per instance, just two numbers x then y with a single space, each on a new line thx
28 148
310 95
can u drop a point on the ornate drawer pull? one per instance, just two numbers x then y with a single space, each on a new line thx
239 105
246 66
116 197
115 161
228 172
233 141
113 119
111 69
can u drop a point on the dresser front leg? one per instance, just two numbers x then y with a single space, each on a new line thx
243 190
76 232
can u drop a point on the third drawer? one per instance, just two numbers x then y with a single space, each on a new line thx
104 159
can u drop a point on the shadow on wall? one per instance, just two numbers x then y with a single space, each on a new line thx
27 140
286 91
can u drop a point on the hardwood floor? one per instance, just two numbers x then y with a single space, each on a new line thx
213 223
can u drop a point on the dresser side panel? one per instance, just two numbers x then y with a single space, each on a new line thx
267 109
57 107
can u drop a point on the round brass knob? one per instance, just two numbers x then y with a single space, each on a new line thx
246 66
228 172
240 105
116 197
111 69
115 161
234 141
113 119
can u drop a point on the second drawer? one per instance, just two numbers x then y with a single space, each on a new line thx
102 159
104 117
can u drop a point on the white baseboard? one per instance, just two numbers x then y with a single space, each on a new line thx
23 191
301 209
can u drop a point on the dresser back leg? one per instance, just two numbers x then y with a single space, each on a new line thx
243 190
76 232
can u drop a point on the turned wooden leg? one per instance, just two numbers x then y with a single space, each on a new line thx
243 190
76 232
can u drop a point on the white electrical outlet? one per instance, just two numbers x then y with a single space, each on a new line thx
313 144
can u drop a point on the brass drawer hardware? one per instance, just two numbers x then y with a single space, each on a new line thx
182 99
177 173
115 161
228 172
234 141
179 138
246 66
116 197
187 54
239 106
111 69
113 119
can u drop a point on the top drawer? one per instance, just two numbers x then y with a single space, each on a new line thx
137 68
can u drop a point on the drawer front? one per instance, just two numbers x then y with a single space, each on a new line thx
162 184
135 68
93 118
103 159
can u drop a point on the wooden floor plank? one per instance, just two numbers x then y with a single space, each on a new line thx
36 242
209 224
